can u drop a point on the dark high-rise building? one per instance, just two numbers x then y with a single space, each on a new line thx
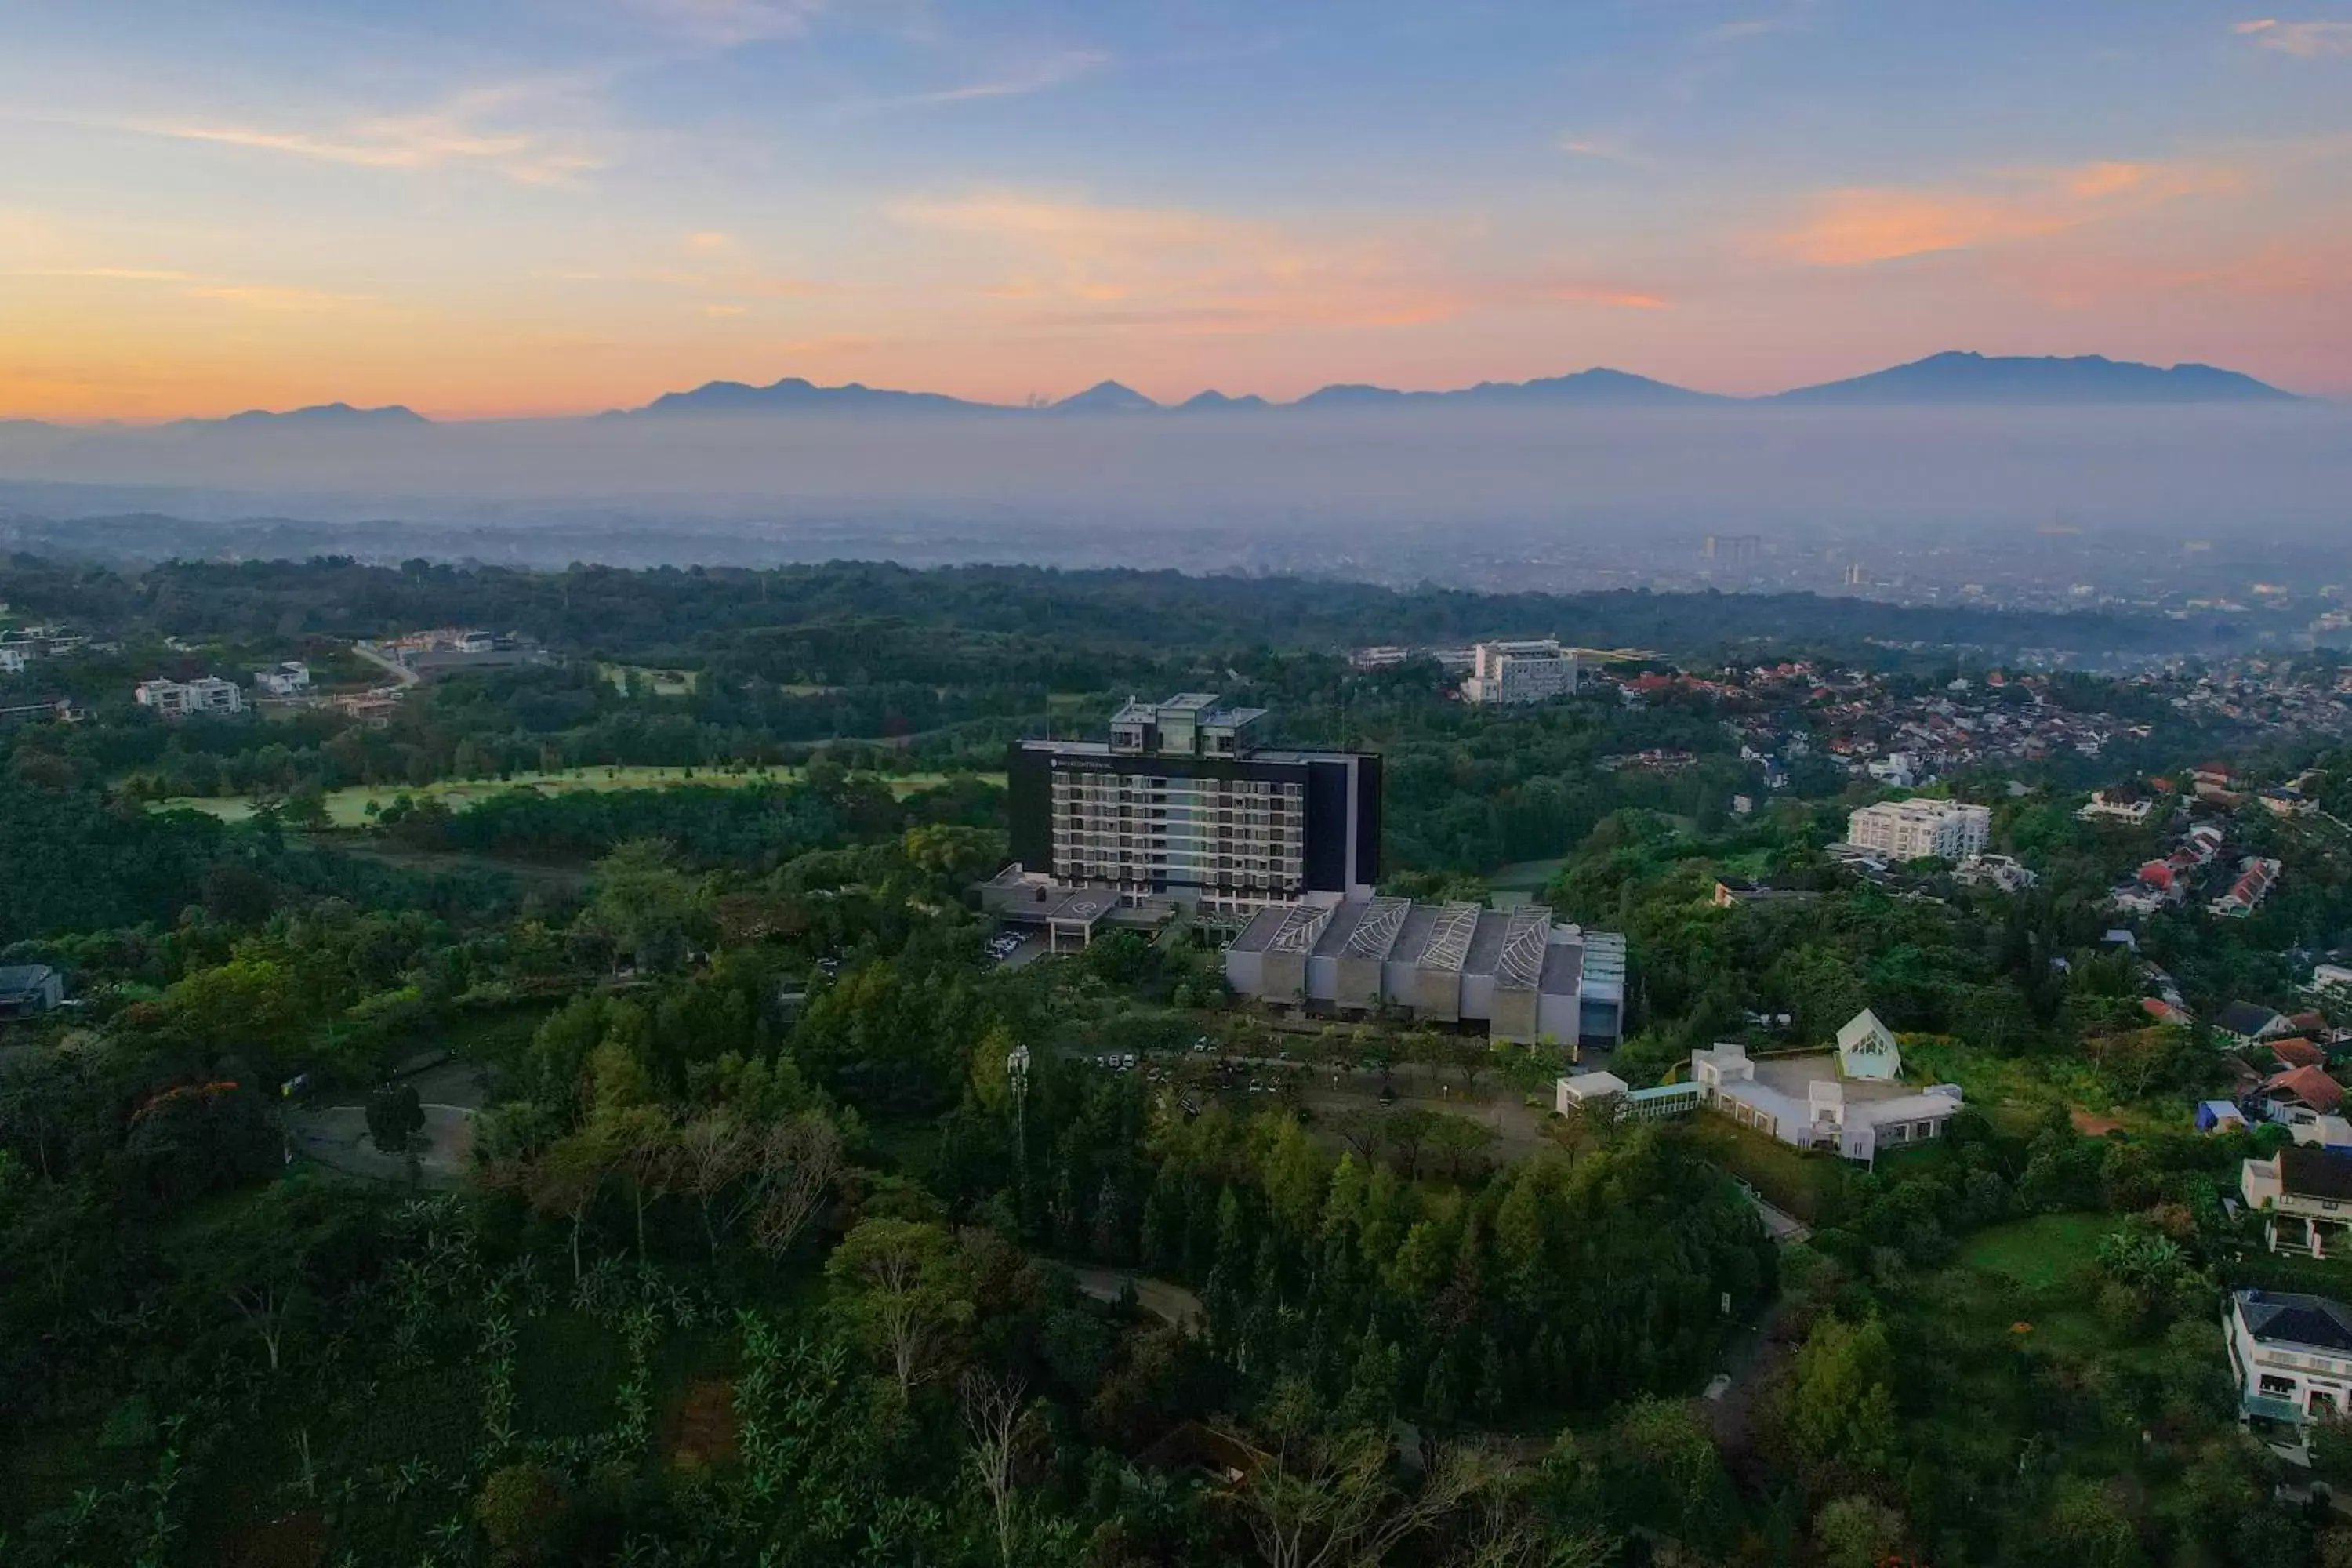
1188 800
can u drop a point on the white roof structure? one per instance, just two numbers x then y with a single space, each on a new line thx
1867 1048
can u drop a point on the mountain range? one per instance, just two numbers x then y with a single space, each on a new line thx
1945 380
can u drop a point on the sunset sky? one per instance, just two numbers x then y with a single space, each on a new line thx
483 207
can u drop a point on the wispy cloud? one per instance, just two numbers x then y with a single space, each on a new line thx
2306 40
707 239
1857 226
1615 299
1050 72
728 23
278 299
1041 75
469 129
1605 149
113 274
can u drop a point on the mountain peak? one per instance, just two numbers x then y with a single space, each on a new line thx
1963 376
1107 397
1215 402
328 413
796 394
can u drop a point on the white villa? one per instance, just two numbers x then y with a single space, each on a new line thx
2290 1355
1851 1099
2304 1196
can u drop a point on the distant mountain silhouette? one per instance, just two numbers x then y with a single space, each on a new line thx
1215 402
1949 380
1599 385
2017 382
1107 397
319 416
794 394
1596 388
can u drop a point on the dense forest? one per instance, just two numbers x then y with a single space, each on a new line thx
675 1174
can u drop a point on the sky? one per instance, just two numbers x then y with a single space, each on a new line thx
486 208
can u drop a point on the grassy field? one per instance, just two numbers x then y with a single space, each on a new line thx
1790 1179
1524 876
2038 1252
348 807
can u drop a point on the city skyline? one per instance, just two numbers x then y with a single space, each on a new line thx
521 208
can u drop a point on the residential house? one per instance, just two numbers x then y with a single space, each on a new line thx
290 678
2328 977
2298 1095
1994 872
2288 802
2304 1196
12 661
2296 1052
2165 1012
2256 875
2247 1023
2109 807
29 990
2289 1354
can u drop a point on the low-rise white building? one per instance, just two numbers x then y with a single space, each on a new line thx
178 699
289 678
1995 871
1533 671
2134 812
2290 1355
1913 829
1851 1100
12 661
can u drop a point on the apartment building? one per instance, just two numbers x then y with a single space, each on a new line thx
179 698
1188 800
1913 830
1525 671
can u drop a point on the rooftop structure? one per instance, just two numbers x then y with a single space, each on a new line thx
1518 972
29 990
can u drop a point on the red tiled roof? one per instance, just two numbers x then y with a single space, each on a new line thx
2297 1054
2309 1084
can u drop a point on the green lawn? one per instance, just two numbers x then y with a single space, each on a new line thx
1524 876
1792 1179
2038 1252
348 807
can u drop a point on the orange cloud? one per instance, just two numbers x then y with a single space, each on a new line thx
1622 299
1855 228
